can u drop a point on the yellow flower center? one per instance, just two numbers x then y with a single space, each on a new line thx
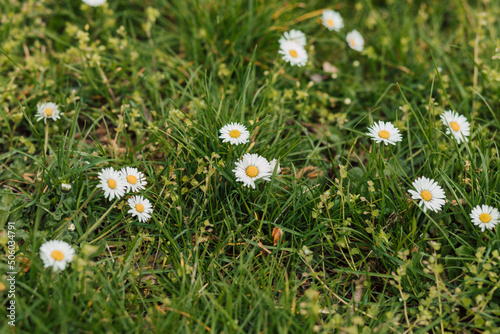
132 179
252 171
294 53
57 255
352 42
234 133
484 217
426 195
384 134
329 22
139 207
48 112
454 126
112 183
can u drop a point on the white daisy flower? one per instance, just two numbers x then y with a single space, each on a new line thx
71 227
430 194
384 132
48 110
457 125
293 35
234 133
484 216
140 207
134 180
66 187
251 168
272 164
355 40
112 183
293 53
94 3
332 20
56 254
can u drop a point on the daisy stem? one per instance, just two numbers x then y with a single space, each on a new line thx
99 221
230 154
382 161
63 225
46 138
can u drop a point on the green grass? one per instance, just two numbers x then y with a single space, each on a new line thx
149 84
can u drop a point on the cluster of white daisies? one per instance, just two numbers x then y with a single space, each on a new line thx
116 183
251 167
430 194
293 42
456 125
57 254
432 197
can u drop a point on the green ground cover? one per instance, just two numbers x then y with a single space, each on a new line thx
334 243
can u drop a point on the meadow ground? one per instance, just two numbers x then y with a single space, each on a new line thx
333 243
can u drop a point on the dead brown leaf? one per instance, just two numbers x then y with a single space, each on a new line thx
27 177
304 170
277 235
314 174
